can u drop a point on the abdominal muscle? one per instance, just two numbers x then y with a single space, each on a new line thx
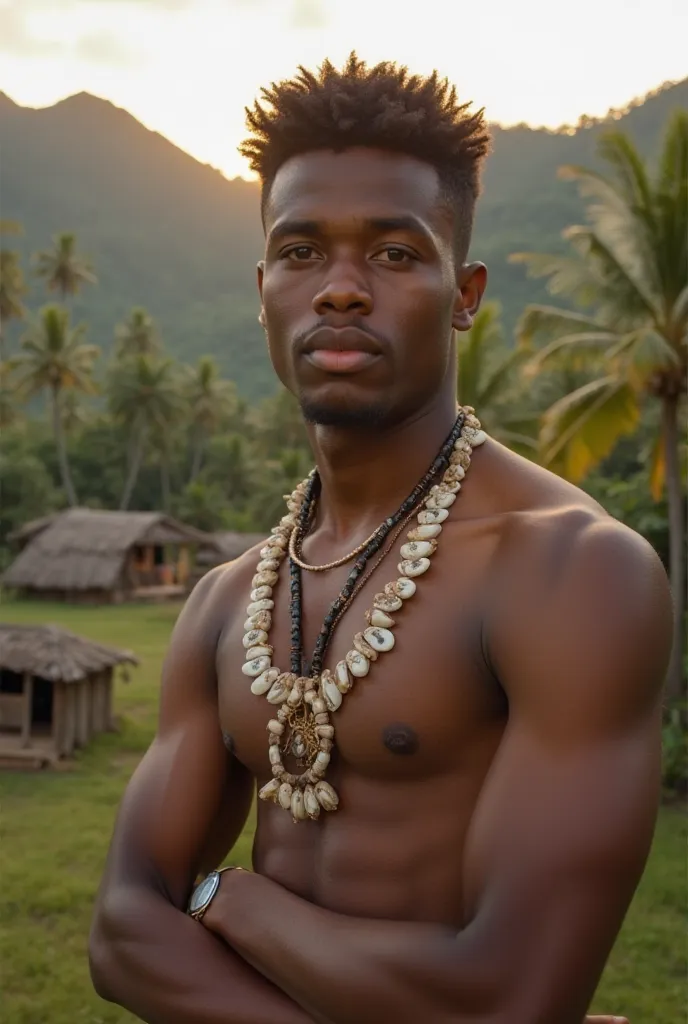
392 850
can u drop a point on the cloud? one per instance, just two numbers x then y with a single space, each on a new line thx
16 39
308 14
105 48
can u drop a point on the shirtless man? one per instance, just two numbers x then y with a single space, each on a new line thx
498 770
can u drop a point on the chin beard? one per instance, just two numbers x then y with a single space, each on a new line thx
344 417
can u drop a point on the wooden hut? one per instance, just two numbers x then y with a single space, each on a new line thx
101 556
55 692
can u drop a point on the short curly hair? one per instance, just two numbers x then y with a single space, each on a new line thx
383 107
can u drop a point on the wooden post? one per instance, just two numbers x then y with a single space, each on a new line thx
58 717
27 710
109 723
69 719
81 712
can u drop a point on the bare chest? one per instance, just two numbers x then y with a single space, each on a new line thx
420 711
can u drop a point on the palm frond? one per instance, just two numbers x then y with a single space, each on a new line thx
551 321
582 428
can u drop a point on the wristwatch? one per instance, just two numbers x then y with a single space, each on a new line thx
203 894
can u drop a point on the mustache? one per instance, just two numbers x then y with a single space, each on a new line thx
358 323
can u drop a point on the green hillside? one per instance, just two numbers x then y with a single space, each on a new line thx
176 236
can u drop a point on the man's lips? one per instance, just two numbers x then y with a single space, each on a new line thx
341 349
334 360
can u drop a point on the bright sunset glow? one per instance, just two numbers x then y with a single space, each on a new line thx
187 68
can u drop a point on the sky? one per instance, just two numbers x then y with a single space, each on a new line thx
187 68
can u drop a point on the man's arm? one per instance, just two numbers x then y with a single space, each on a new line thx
558 840
145 953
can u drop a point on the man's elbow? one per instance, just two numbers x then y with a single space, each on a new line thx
104 951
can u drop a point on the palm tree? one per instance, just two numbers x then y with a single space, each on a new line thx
64 270
9 413
138 336
211 400
56 359
145 396
490 380
12 284
630 265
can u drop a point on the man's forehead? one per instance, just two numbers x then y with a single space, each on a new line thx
358 183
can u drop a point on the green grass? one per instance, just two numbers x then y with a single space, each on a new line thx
55 828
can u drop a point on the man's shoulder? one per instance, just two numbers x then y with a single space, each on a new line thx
223 591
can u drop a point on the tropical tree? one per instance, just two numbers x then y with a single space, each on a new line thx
63 268
629 267
144 395
138 336
211 400
490 380
9 412
12 284
56 359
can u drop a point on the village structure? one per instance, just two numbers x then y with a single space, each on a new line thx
55 692
98 556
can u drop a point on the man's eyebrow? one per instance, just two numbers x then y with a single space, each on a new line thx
378 225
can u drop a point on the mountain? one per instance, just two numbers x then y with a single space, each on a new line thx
174 235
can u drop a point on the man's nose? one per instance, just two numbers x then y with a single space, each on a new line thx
344 291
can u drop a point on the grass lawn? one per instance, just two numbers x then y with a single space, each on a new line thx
55 828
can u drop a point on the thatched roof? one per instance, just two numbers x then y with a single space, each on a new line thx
85 549
227 546
56 654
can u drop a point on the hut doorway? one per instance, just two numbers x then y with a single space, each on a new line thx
42 703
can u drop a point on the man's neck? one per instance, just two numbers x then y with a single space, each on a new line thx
367 474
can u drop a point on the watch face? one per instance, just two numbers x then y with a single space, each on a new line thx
204 892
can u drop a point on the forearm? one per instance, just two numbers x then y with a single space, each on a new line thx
161 965
353 970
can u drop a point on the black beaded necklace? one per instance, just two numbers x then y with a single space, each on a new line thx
341 601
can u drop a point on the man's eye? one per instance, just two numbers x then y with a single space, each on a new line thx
393 255
302 253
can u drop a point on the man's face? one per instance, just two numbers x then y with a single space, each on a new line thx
360 287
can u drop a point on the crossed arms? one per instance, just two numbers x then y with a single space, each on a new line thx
555 849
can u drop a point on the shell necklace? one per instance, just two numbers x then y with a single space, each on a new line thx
302 723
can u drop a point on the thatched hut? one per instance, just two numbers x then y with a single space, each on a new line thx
55 691
101 556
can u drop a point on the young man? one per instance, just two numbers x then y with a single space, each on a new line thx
450 830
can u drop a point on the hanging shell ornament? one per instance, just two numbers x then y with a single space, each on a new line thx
301 727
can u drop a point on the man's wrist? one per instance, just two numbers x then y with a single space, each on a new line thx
225 910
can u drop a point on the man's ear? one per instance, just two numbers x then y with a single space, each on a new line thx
471 284
260 270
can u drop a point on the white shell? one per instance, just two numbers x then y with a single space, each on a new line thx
426 532
278 692
418 549
260 592
271 551
261 651
310 802
415 568
318 706
274 754
327 797
456 461
387 602
298 809
264 681
255 667
263 605
275 727
405 588
325 731
268 565
323 758
442 500
449 484
379 618
342 677
330 691
433 515
379 639
264 579
358 664
270 790
296 694
253 637
284 796
477 437
261 620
